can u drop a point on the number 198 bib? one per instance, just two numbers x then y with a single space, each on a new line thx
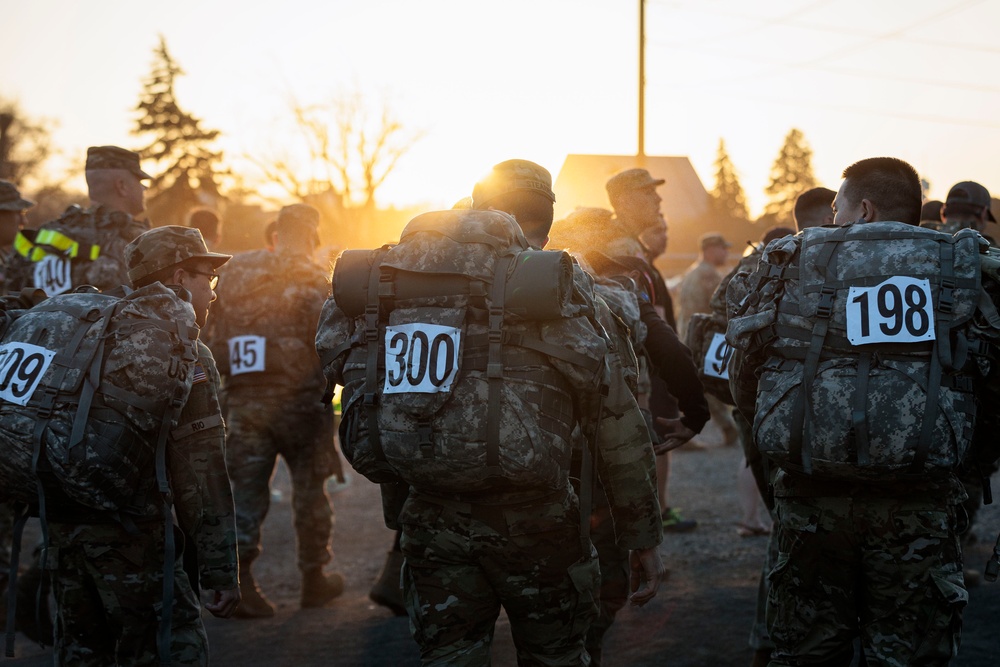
897 310
420 358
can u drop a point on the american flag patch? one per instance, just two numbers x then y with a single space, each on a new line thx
199 374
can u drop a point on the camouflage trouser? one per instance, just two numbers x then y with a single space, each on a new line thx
614 566
260 430
464 561
892 566
759 636
109 587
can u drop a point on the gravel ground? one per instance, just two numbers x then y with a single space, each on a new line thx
701 617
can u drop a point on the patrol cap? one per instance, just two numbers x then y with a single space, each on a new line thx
11 199
713 239
298 214
164 247
113 157
969 194
511 176
628 181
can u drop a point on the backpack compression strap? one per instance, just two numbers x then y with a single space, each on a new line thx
494 366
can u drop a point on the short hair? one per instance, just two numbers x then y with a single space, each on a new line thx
532 210
206 221
812 206
931 210
776 233
891 184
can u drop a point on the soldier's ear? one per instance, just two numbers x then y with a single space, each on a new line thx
867 210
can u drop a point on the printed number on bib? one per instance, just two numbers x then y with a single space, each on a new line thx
52 274
420 358
899 310
717 358
21 369
246 354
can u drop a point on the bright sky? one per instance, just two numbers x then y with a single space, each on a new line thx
538 79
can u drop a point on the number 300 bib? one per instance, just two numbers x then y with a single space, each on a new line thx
420 358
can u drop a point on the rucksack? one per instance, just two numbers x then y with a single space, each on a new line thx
90 385
867 349
449 382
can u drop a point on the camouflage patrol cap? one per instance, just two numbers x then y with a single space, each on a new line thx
713 239
628 181
298 214
113 157
11 199
512 176
164 247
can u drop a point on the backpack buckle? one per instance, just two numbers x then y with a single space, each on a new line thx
424 439
825 307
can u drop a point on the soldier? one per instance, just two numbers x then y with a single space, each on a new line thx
967 206
867 516
108 578
263 331
207 222
813 208
509 544
85 247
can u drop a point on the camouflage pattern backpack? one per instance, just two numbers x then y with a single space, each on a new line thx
90 385
866 350
448 367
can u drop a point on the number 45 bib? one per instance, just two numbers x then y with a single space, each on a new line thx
420 358
897 310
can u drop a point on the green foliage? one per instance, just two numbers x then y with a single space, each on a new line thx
791 175
727 198
24 144
179 145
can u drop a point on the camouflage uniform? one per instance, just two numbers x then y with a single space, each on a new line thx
108 580
516 546
95 226
278 410
879 558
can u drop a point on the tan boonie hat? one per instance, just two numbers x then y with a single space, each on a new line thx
713 238
113 157
298 214
511 176
630 180
11 199
168 246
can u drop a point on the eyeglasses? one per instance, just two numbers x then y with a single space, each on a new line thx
213 278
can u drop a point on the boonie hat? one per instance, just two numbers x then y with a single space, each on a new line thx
712 239
113 157
969 194
11 199
511 176
168 246
629 180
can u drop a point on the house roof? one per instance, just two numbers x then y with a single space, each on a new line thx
582 177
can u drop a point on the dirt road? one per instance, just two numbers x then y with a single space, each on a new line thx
701 618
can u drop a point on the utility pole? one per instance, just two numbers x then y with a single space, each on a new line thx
641 153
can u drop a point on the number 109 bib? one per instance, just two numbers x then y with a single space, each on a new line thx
420 358
897 310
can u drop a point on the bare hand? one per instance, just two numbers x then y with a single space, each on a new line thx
647 570
224 603
676 435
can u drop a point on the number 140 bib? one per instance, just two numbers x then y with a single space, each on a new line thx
898 310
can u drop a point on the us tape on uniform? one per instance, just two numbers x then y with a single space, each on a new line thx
717 357
421 358
247 354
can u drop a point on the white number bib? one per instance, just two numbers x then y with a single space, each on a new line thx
52 274
246 354
21 369
898 310
420 358
717 358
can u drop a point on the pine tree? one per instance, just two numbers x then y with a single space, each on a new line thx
186 173
728 201
791 175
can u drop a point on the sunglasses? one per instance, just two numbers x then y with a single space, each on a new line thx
213 278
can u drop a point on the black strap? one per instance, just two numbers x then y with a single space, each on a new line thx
494 364
946 307
377 278
92 380
555 351
20 518
859 411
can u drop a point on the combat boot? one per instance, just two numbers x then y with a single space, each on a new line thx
319 588
386 591
253 604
